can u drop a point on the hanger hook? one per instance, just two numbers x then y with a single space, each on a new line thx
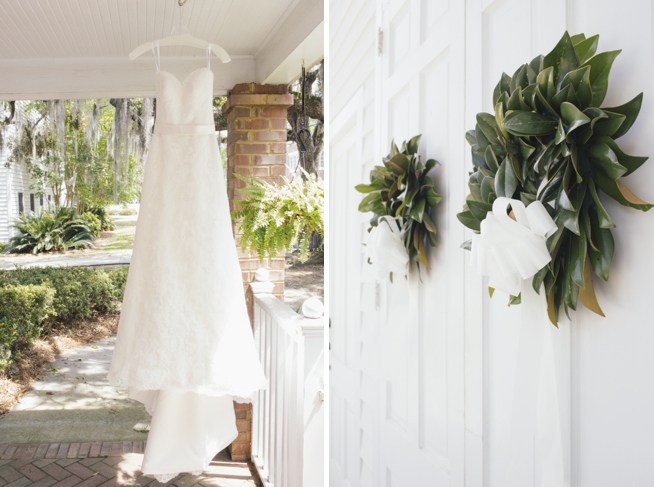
181 2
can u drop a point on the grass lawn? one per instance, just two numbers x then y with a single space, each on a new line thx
121 238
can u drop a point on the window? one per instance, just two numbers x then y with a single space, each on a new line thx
41 201
31 201
21 208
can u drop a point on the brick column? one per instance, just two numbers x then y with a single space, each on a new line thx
256 146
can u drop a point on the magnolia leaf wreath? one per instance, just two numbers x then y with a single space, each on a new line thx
550 141
400 195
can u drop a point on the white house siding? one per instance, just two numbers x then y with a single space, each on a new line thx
13 180
604 365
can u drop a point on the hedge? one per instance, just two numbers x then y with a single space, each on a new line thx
34 300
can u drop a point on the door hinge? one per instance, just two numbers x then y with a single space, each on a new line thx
380 41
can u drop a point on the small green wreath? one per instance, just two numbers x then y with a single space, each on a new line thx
402 189
550 140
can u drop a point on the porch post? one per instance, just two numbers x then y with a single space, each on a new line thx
256 146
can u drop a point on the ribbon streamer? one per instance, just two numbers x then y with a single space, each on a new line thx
510 251
384 248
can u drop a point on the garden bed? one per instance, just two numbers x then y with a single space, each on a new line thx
46 310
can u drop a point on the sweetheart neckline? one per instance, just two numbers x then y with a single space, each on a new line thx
187 76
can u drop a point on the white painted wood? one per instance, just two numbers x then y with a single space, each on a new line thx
101 78
80 49
421 422
602 364
14 179
345 325
594 448
410 425
288 417
293 31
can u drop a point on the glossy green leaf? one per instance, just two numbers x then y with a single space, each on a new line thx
526 150
487 190
519 79
560 97
604 219
536 63
630 162
545 82
586 48
503 85
514 100
429 223
471 137
399 163
603 238
430 164
488 126
523 123
499 118
412 144
572 116
577 38
620 193
610 125
579 80
368 203
369 188
491 160
506 181
543 106
600 67
606 160
562 58
479 209
578 247
560 133
466 218
630 110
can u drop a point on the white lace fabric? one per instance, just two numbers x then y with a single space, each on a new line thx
184 336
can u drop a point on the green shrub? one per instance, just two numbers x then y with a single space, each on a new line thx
118 277
49 231
23 310
80 292
2 247
102 213
93 222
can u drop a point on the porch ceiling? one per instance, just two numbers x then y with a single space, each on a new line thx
78 48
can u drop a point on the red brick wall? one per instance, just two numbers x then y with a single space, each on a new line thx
256 146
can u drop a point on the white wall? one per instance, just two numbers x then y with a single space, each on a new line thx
604 364
13 180
353 455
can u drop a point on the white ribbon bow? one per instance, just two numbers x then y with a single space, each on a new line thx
510 251
384 248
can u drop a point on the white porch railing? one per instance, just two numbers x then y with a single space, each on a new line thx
288 417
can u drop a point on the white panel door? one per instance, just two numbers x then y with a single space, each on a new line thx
421 432
345 307
492 47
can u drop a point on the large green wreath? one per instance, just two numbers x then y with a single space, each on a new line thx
550 140
402 189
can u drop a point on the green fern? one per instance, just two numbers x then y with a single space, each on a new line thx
276 217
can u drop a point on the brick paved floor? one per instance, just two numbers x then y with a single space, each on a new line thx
105 464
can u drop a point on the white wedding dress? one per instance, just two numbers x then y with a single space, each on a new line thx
185 347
